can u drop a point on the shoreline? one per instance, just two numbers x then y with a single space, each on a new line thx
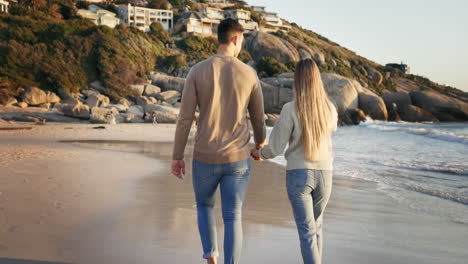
139 213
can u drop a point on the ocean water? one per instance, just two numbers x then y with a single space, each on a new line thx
421 165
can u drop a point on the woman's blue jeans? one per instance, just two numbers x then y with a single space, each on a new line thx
232 179
309 192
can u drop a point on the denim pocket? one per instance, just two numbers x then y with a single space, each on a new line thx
296 181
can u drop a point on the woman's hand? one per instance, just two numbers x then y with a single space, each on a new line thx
255 155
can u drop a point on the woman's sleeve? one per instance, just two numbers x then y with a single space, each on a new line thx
280 135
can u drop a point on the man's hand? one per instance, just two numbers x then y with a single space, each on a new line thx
255 155
178 168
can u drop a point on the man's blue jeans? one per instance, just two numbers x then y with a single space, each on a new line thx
309 192
232 179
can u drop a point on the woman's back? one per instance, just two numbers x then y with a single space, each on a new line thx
288 130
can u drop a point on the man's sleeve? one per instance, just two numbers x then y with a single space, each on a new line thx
257 113
186 116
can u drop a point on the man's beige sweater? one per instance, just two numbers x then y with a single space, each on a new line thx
224 89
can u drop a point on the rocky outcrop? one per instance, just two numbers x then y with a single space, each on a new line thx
151 90
351 116
139 89
97 100
372 104
149 108
166 82
166 118
78 111
144 100
375 76
261 44
170 97
342 91
413 113
52 98
444 108
275 97
101 115
34 96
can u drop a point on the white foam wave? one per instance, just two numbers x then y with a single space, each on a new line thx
417 129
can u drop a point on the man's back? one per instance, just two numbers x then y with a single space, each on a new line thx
224 89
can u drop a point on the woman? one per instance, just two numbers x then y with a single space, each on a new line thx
306 124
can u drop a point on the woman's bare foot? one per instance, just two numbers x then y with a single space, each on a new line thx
211 260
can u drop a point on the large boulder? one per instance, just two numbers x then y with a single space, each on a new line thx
139 89
280 81
352 117
412 113
136 110
375 76
151 90
372 104
10 101
170 97
274 97
444 108
101 115
167 82
78 111
52 98
342 91
261 44
34 96
144 100
149 108
166 118
400 99
97 100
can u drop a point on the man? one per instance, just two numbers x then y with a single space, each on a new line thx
224 89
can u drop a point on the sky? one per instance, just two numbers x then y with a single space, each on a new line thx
431 36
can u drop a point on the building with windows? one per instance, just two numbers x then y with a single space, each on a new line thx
99 16
195 23
243 16
271 21
142 18
4 6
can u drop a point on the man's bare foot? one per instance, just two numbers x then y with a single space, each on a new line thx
211 260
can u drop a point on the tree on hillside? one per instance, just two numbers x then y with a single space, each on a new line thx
157 31
35 4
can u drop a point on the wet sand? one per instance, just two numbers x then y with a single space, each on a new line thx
107 196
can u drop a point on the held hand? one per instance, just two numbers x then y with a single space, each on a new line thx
255 155
178 168
260 145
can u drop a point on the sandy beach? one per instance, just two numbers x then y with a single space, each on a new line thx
73 194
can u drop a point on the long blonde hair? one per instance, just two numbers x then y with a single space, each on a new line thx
313 107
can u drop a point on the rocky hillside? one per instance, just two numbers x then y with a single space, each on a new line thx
81 70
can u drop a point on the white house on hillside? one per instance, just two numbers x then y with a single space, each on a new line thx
243 16
99 16
272 22
4 6
142 18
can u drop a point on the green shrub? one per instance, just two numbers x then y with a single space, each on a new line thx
198 48
270 67
172 62
157 31
244 56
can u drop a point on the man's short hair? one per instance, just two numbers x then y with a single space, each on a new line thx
226 28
